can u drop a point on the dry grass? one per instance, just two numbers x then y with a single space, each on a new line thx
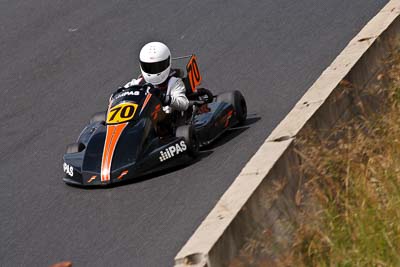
356 182
351 198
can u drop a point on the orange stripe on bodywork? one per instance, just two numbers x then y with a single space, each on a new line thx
145 102
112 136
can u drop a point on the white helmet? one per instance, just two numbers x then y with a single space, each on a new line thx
155 62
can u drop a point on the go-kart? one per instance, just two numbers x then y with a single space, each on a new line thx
123 143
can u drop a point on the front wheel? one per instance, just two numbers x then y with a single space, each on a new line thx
190 138
98 117
236 99
75 148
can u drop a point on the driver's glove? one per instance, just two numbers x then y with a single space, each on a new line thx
164 98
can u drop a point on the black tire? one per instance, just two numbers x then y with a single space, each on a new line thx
98 117
75 148
188 134
238 102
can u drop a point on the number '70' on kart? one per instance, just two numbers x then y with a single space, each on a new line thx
122 143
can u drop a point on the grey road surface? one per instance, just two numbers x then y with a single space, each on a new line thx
59 62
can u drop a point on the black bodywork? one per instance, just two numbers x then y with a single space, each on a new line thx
112 151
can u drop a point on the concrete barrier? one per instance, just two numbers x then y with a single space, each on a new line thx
265 192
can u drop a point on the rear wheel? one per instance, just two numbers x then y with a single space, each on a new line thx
238 102
75 148
188 134
98 117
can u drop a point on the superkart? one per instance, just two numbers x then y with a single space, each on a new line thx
122 143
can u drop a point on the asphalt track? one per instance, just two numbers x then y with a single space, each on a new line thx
60 60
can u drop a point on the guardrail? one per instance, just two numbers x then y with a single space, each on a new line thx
264 193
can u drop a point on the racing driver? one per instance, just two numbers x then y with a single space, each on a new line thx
155 65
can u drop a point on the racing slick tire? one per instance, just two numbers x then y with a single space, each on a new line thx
188 134
98 117
238 102
75 148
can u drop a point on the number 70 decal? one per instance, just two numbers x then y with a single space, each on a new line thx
121 113
193 73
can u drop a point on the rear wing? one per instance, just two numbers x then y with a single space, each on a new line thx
191 75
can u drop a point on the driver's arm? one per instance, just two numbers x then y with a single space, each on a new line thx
133 82
179 100
129 84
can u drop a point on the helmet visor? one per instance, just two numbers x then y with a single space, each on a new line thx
155 67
